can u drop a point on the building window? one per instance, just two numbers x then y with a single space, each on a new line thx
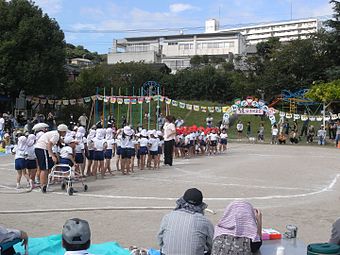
186 46
172 43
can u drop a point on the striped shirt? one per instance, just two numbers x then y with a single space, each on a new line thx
186 233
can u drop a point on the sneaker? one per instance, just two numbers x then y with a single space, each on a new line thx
18 186
32 184
37 181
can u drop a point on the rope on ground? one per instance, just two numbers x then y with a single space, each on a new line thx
137 208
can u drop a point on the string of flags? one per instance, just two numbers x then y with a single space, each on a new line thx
249 106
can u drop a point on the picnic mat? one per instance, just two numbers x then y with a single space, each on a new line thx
51 245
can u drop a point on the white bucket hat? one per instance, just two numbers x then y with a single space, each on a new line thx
62 128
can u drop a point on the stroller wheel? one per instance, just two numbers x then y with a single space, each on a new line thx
63 186
86 187
70 191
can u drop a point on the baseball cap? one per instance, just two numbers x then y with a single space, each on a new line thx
193 196
76 231
62 128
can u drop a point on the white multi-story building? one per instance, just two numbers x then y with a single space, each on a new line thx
284 30
176 50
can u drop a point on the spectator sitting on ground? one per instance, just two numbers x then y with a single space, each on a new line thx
293 139
239 231
335 237
76 237
186 230
8 235
282 138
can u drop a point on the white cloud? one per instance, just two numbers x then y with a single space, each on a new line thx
180 7
84 26
51 7
92 12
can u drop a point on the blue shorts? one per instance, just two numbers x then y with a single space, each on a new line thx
203 143
65 161
44 161
31 164
79 158
119 151
132 152
153 153
224 141
90 155
160 151
125 153
99 155
108 154
20 164
143 150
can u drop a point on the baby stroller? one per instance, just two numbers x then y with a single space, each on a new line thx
68 176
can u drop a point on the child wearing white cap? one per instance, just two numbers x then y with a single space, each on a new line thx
153 147
110 150
31 159
143 148
20 161
100 146
125 142
89 151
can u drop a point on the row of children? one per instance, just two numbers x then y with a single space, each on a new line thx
198 140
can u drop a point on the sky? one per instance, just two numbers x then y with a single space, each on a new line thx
112 19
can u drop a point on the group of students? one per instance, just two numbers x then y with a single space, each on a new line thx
90 154
192 140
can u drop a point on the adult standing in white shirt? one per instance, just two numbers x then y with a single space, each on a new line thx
239 128
169 139
45 156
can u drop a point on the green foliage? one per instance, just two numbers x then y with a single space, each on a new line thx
80 52
32 50
325 92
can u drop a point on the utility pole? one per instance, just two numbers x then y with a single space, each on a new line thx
291 9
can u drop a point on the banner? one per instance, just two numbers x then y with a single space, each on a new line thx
50 101
106 99
174 103
66 102
181 105
196 108
141 100
113 100
126 100
225 108
211 109
167 100
73 101
133 101
249 111
203 109
58 102
189 107
43 101
87 99
120 100
218 109
80 100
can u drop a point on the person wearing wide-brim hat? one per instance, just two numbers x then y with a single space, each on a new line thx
186 230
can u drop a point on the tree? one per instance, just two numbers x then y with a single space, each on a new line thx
32 50
325 92
80 52
334 34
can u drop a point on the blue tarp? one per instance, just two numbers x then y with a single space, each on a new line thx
51 245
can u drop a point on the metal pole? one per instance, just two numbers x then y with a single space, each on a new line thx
118 119
104 108
97 107
141 107
133 94
324 115
149 114
157 111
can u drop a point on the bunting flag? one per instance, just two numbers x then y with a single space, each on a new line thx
225 108
140 100
189 107
113 100
249 102
289 115
106 99
218 109
211 109
147 100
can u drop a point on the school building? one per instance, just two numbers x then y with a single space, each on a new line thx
176 50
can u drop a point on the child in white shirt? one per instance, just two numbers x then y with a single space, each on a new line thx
153 147
20 159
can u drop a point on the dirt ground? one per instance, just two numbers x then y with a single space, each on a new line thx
291 185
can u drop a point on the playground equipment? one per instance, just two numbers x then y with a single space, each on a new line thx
294 99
